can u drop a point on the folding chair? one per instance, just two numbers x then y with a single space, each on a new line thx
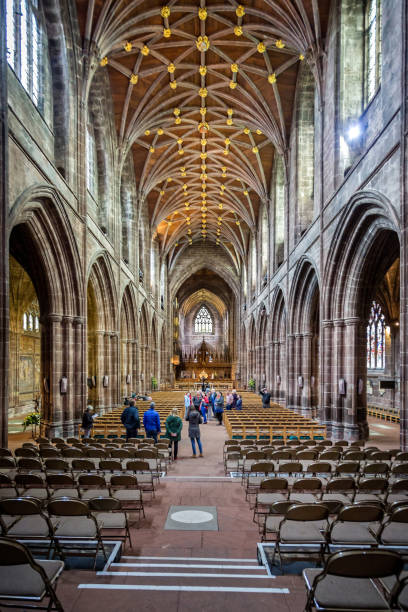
61 485
7 488
371 489
31 485
271 491
341 490
306 490
110 516
277 511
356 526
301 529
394 532
27 521
144 476
77 526
125 487
92 485
258 472
347 581
23 578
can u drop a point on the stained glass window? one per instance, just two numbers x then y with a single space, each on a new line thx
203 323
376 338
372 49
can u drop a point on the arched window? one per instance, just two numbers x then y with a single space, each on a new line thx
25 46
376 338
372 49
265 241
279 210
25 322
153 267
203 323
91 163
253 264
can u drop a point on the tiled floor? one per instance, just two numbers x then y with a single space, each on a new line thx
195 482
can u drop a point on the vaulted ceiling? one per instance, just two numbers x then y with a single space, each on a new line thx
203 96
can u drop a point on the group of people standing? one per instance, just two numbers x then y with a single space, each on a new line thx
207 403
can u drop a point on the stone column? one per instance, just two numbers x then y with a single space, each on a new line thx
100 369
51 371
299 367
355 413
80 389
291 372
306 364
326 349
4 242
114 384
67 370
337 374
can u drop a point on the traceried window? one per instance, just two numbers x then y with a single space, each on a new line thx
91 163
372 49
25 43
376 338
203 323
31 319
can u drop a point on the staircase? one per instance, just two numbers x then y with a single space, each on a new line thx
223 583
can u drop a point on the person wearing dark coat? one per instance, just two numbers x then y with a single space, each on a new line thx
130 419
87 421
266 397
194 419
174 425
238 405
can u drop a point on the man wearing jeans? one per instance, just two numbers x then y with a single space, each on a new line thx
151 423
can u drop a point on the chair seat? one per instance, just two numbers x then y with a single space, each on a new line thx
76 527
341 497
395 533
301 531
90 493
38 493
111 520
392 497
354 533
369 497
7 492
337 592
305 498
272 523
54 493
23 581
255 481
267 499
33 526
128 494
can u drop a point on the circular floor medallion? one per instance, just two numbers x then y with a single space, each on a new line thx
192 516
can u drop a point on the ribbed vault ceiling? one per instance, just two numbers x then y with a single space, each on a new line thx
203 96
202 296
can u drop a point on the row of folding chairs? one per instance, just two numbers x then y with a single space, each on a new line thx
295 442
128 485
306 527
325 470
66 523
334 492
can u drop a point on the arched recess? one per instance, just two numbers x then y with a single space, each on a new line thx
42 241
103 340
279 375
304 347
365 249
144 349
128 342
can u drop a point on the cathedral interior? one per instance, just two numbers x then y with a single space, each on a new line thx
204 195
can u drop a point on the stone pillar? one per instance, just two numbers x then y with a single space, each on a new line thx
306 363
291 372
326 365
51 371
337 374
80 387
114 384
355 408
4 243
100 369
298 391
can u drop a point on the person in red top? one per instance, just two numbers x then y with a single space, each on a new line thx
204 407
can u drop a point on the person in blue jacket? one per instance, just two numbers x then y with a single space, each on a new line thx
151 422
238 405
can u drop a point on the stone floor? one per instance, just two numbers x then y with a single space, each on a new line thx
194 482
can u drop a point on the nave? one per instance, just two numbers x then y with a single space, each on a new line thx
179 565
